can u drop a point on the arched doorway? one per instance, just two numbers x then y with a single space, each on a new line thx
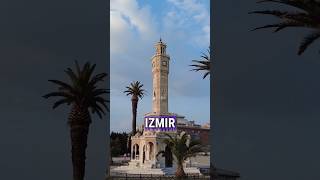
135 151
144 154
168 156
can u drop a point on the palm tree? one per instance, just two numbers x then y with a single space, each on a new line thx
83 95
203 64
183 147
136 91
308 16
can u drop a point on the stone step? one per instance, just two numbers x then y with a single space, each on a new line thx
158 171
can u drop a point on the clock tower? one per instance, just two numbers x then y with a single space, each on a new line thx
160 71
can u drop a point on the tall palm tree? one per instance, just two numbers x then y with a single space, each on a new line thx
83 95
308 16
203 64
182 147
136 91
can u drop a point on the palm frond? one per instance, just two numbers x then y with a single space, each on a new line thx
203 64
180 147
97 78
206 74
135 89
82 90
73 77
307 16
103 103
62 101
280 26
307 6
172 139
307 41
61 94
62 84
160 153
298 16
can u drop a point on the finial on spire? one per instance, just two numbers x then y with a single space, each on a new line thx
160 39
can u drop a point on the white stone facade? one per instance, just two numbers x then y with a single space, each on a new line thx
160 71
145 147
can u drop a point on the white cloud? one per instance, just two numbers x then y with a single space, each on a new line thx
139 17
129 22
119 33
132 34
189 14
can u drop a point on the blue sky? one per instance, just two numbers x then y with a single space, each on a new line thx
135 26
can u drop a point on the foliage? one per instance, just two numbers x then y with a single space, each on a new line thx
119 143
203 64
183 147
307 16
82 90
135 89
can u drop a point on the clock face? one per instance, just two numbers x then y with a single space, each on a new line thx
164 63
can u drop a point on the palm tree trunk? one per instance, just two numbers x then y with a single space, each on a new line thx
129 144
79 121
213 172
180 171
134 101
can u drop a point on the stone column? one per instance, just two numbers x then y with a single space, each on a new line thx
147 151
132 151
155 150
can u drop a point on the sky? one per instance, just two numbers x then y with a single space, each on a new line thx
266 118
39 40
135 26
